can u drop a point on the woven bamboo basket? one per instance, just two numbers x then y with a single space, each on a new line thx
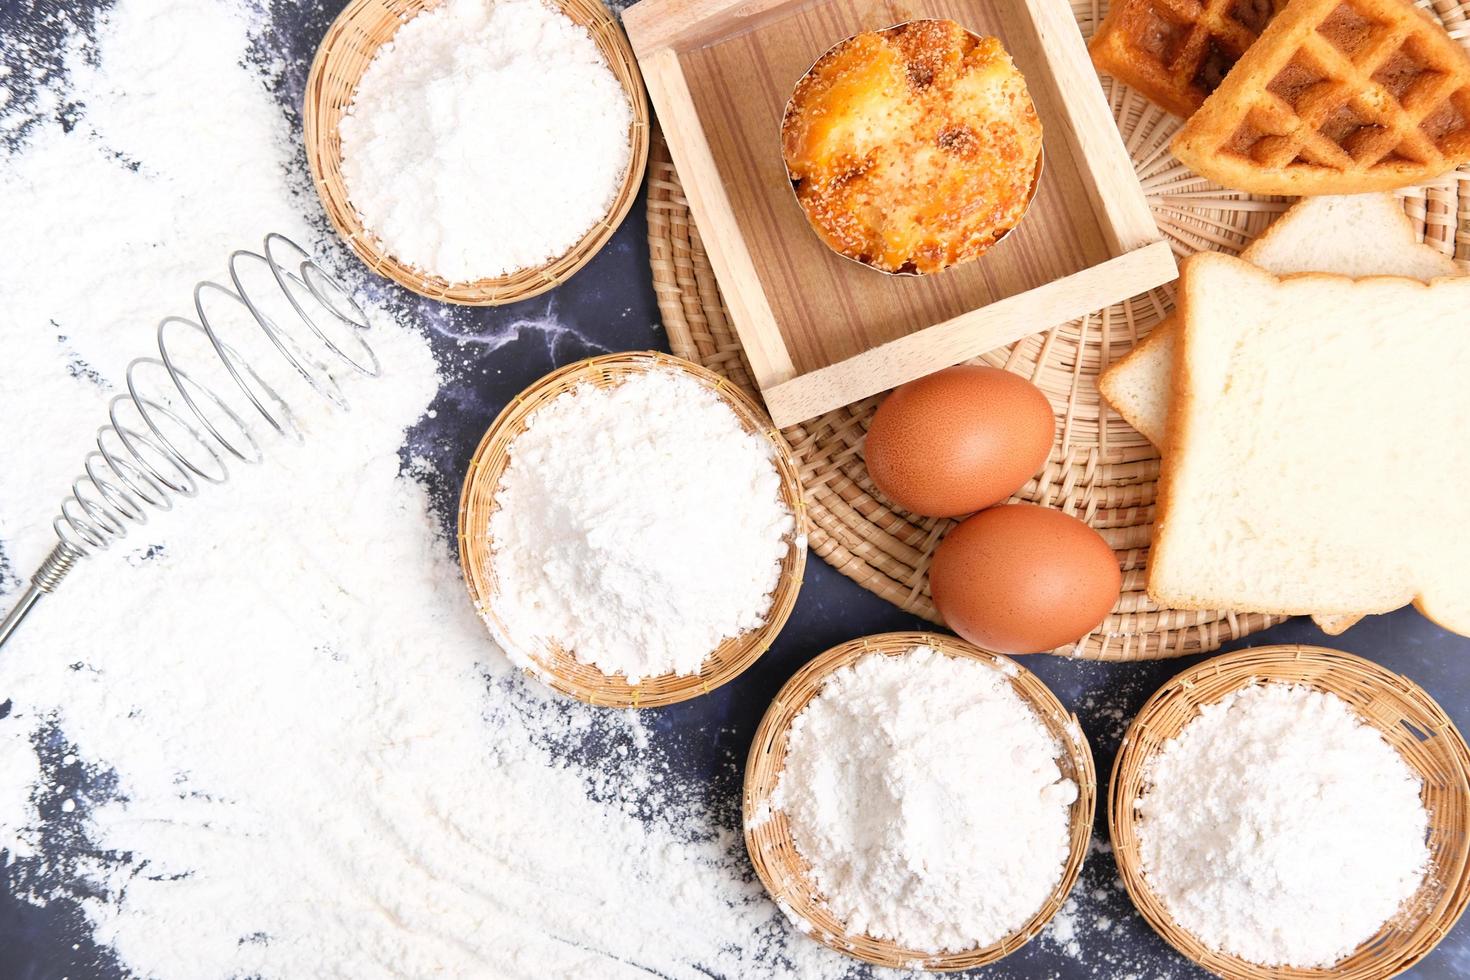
557 667
783 871
345 52
1411 722
1100 469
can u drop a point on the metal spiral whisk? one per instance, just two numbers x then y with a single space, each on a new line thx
174 430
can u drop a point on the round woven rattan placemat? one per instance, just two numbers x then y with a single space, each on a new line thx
1100 470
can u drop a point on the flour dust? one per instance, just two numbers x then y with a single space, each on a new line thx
266 735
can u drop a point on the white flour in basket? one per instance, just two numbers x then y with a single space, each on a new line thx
637 527
302 757
486 138
925 794
1279 827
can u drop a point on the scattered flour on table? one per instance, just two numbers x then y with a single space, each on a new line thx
1280 827
1097 930
637 526
287 746
487 137
926 797
1100 935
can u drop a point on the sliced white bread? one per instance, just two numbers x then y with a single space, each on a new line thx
1352 235
1317 445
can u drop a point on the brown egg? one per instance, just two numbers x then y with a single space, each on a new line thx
959 440
1023 579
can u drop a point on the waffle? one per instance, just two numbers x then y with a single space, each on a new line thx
1176 52
1337 97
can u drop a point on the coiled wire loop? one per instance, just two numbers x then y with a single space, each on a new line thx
172 431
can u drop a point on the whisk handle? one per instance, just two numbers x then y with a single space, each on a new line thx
46 579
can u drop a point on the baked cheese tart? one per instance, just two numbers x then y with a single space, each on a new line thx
914 148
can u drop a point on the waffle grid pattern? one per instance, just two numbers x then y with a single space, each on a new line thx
1178 51
1360 91
1338 96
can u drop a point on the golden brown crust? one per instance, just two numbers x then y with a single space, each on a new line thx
1179 411
913 148
1336 97
1176 52
1155 337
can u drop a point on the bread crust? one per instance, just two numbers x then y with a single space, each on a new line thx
1180 414
1109 381
1401 234
1111 53
1183 419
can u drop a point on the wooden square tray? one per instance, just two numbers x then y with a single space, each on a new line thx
820 331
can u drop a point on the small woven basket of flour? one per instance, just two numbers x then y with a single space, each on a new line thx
785 873
557 667
1409 721
354 39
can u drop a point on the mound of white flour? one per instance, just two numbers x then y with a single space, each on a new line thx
1279 827
487 137
637 527
925 794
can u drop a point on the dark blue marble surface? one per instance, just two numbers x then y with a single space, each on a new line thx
609 306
